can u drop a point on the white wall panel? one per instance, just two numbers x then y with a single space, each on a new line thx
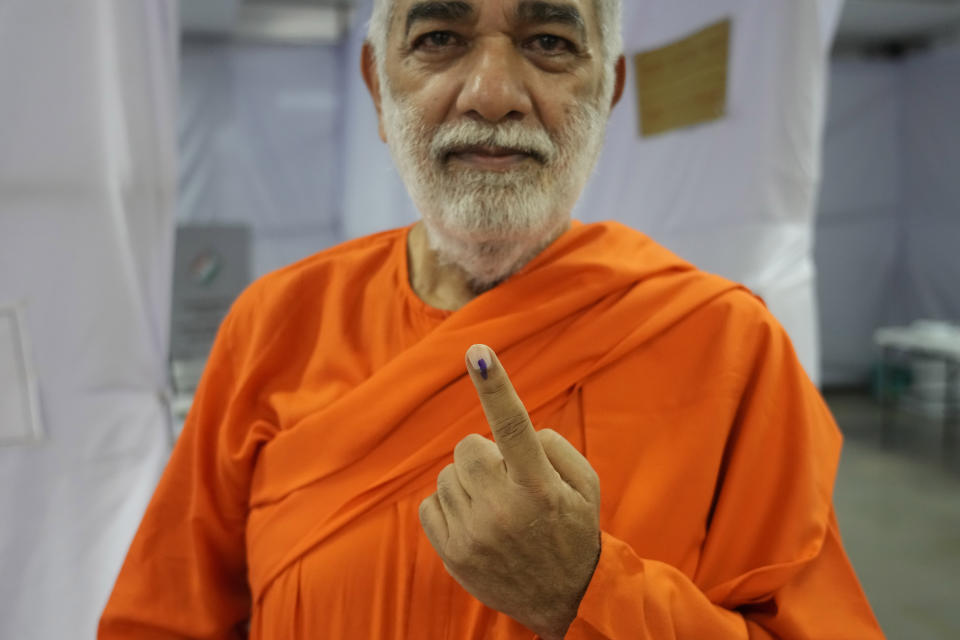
735 196
858 239
862 161
261 137
87 197
888 232
931 208
374 197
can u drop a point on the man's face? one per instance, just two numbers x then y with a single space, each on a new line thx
494 111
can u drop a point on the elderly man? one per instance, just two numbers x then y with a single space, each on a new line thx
346 473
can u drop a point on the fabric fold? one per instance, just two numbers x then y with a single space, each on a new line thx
594 295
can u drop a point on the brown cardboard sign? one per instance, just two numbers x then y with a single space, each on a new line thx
685 82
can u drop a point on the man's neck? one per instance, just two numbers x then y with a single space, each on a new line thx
440 285
444 285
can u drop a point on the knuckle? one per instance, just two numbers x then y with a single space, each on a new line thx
452 555
537 494
424 510
475 467
460 551
445 496
444 484
594 477
546 500
491 525
471 456
594 489
446 475
494 389
473 547
548 436
468 447
511 427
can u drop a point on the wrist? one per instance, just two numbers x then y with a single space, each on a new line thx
556 627
556 630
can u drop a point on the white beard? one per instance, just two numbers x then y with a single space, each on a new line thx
491 223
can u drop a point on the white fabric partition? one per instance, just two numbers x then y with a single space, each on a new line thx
735 196
87 197
931 204
888 231
261 140
858 245
374 197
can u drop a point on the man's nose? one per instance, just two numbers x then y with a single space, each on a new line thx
494 88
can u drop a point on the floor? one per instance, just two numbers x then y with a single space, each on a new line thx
898 503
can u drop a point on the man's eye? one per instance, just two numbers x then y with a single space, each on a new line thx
436 40
550 44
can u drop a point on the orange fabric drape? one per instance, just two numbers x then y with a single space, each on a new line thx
334 396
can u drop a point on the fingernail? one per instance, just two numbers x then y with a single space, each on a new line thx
479 358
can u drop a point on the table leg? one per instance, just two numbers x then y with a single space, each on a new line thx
951 419
886 383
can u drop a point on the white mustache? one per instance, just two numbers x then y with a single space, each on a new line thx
515 137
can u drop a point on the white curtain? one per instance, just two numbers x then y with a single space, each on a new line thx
858 224
261 142
87 202
737 196
374 197
931 204
888 230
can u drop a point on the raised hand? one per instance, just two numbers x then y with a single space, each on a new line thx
516 522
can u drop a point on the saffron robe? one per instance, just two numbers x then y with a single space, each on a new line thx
334 396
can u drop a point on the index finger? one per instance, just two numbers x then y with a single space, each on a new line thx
513 432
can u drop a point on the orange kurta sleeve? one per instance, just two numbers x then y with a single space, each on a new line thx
630 597
185 573
771 564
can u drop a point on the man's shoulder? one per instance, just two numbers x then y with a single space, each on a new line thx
692 298
738 304
736 310
739 331
311 280
710 305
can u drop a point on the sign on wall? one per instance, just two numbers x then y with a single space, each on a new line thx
684 83
211 268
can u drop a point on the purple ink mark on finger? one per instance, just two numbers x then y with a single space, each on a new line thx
483 367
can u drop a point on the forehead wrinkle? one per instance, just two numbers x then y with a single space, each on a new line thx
443 10
544 12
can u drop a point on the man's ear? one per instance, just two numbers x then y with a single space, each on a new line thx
621 81
368 67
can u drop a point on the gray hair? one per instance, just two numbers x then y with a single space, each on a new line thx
608 15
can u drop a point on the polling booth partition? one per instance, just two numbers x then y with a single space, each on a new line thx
888 225
87 197
261 143
737 195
